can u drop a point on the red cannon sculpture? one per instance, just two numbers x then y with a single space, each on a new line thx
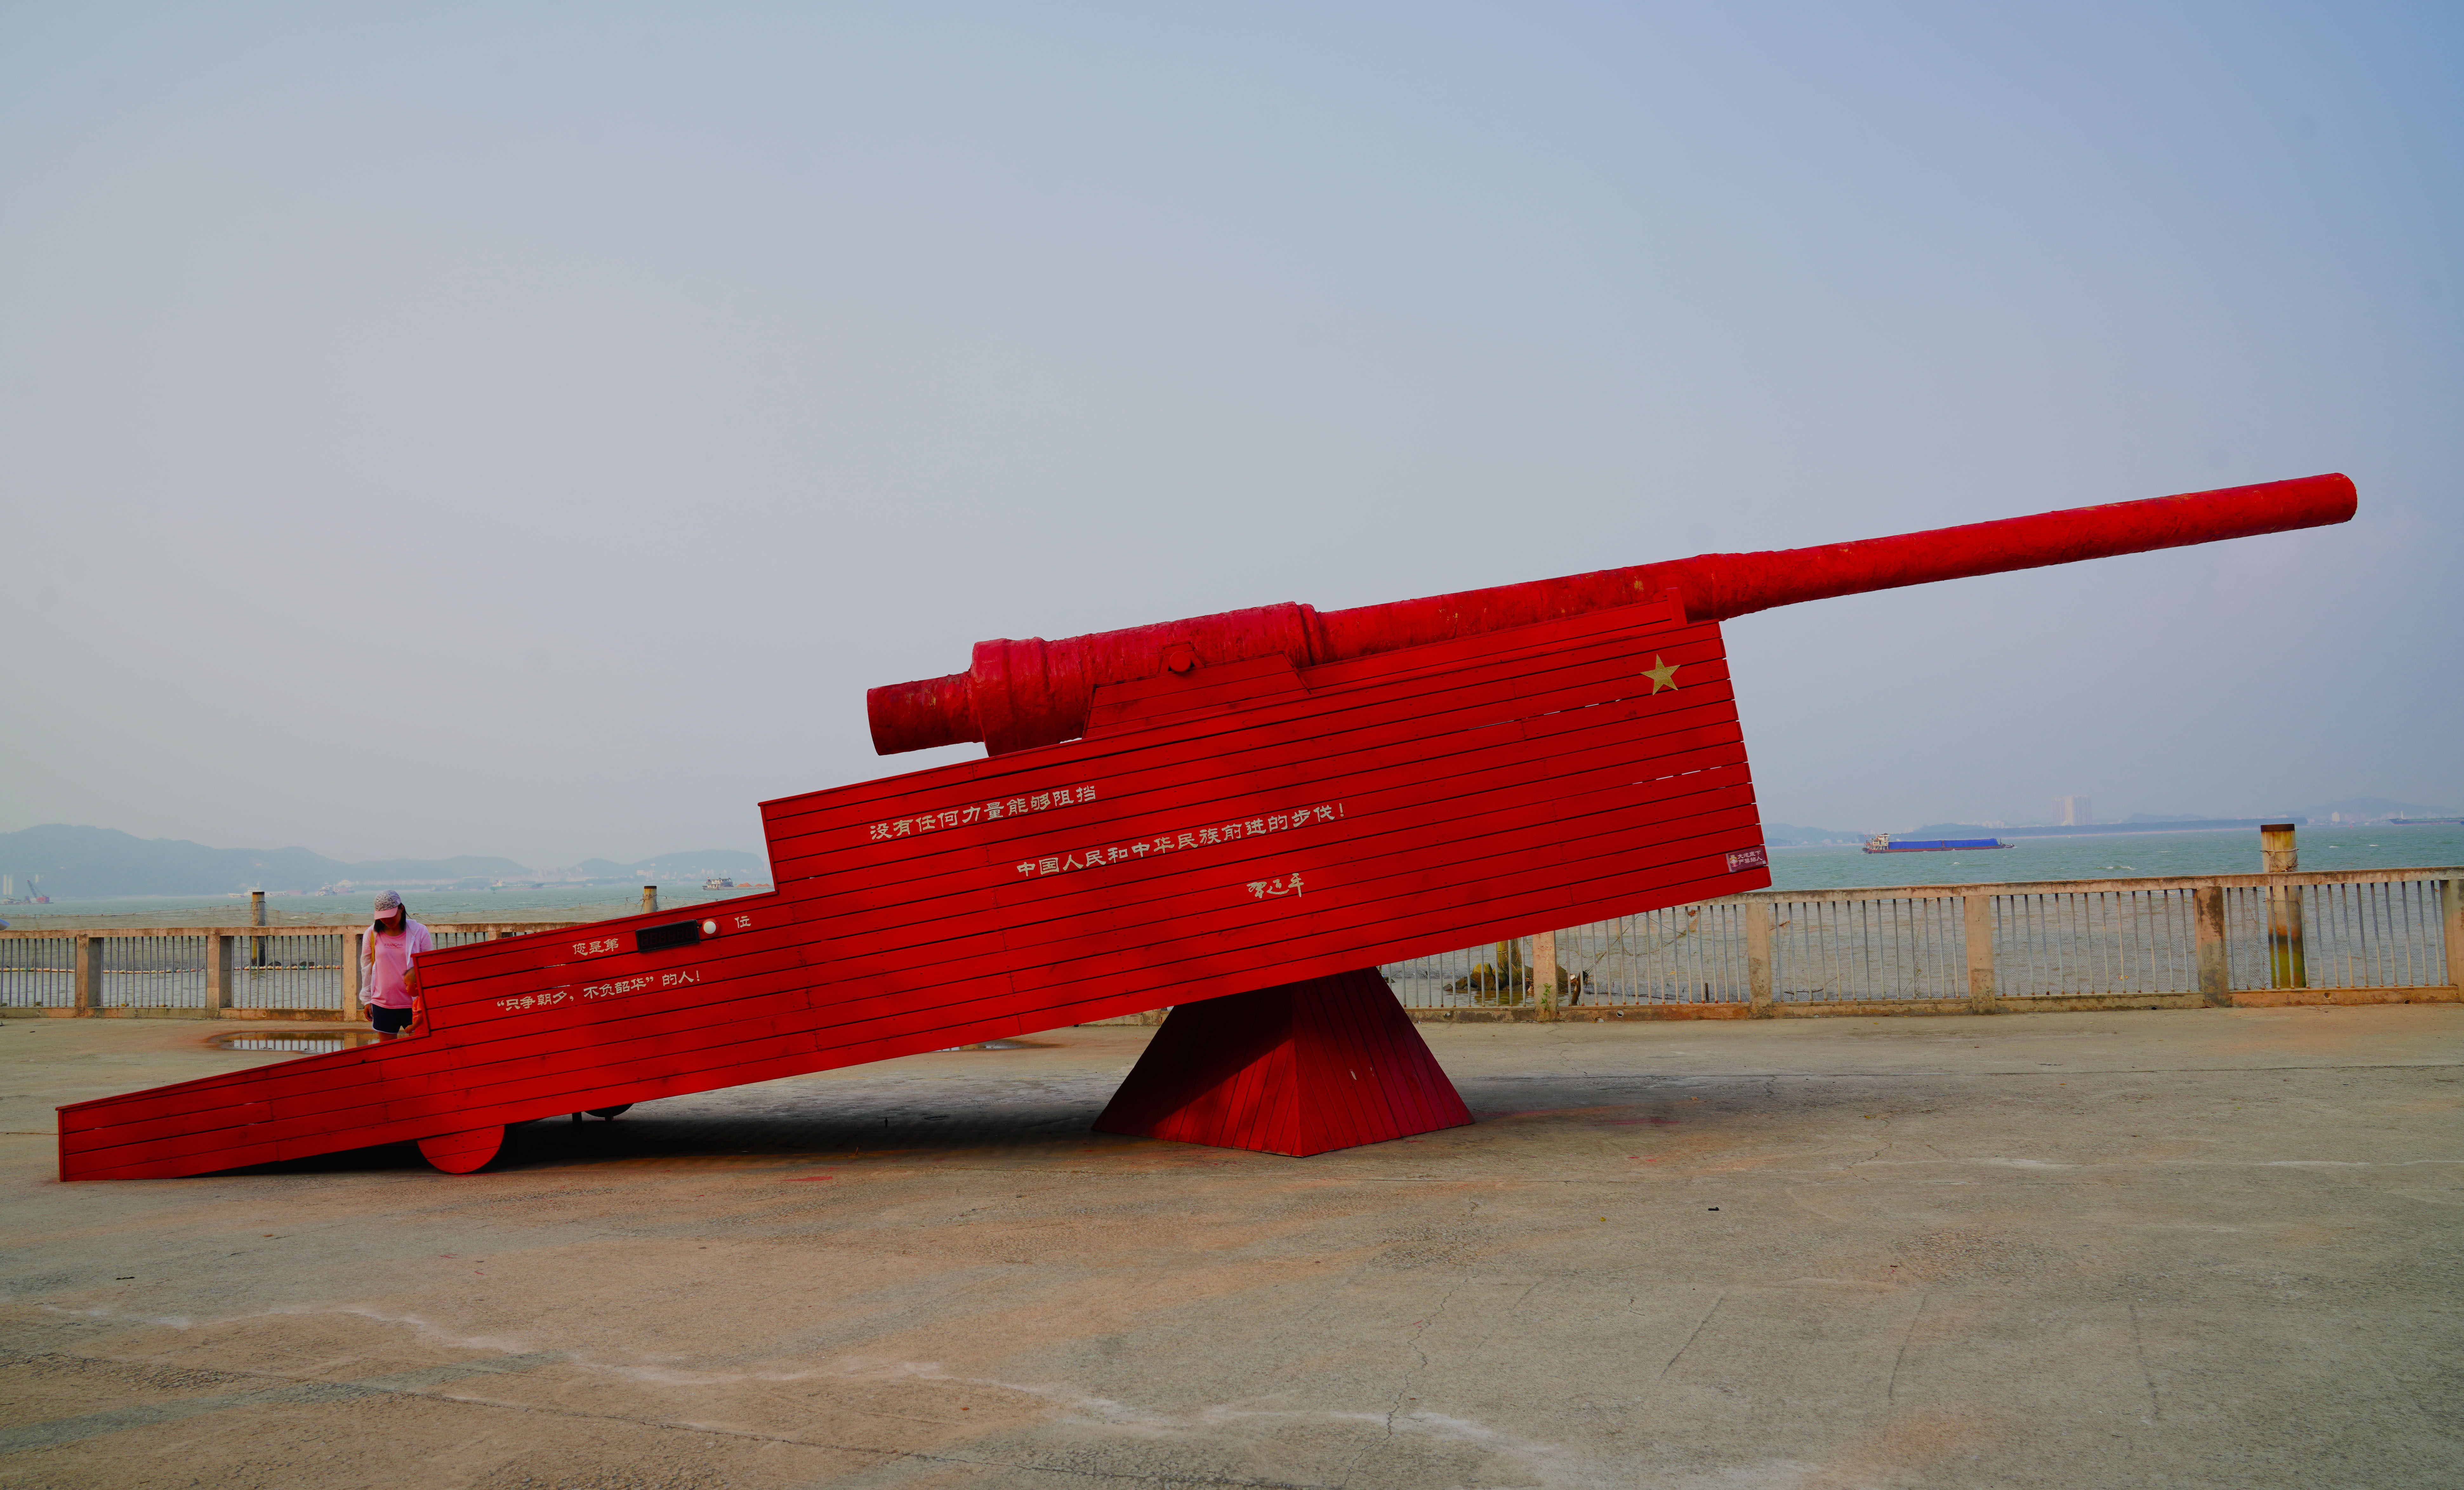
1240 815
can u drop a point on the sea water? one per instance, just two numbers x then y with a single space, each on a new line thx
2120 856
556 903
2111 857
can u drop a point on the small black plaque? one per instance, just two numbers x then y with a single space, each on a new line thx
658 939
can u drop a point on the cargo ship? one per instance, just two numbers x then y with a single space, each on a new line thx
1881 844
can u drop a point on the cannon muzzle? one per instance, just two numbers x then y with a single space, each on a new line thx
1022 693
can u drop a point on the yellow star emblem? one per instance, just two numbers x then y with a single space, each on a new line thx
1662 674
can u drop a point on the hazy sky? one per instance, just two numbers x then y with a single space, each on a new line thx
528 430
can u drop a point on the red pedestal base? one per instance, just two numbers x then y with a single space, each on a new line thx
1328 1063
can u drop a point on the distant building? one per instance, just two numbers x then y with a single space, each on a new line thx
2074 810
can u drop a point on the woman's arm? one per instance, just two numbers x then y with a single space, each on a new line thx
413 944
416 941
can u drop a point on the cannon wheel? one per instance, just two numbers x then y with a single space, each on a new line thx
461 1153
611 1114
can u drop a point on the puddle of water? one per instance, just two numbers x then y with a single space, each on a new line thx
999 1044
318 1043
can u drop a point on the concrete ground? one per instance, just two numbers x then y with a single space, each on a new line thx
2175 1248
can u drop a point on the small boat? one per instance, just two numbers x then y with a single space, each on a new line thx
718 882
1882 843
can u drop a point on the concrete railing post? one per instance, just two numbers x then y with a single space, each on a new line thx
1758 956
2450 892
1544 972
2286 967
87 986
649 897
218 973
256 917
2208 933
351 944
1976 916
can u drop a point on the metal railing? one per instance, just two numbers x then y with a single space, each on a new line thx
2109 942
235 970
37 973
1683 955
287 972
1830 951
2209 938
2352 935
154 971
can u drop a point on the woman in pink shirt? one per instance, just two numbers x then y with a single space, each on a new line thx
386 971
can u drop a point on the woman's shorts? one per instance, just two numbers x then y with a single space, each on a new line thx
389 1021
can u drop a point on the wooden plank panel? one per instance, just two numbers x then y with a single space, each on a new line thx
1207 761
1393 791
1136 876
1173 760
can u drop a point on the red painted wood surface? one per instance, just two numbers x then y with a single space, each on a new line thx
1233 829
1332 1063
1022 693
465 1152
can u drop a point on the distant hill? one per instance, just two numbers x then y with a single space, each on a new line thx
2089 830
2375 809
88 863
732 863
596 869
1792 834
78 863
2355 809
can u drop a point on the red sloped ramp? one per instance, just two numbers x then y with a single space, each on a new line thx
1330 1063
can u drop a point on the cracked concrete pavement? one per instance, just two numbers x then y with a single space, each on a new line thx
2184 1248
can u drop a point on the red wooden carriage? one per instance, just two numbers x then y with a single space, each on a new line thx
1238 816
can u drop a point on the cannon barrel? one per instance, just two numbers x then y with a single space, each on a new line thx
1022 693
